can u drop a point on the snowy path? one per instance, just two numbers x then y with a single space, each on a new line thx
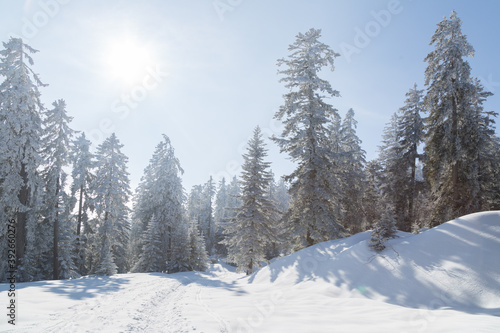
218 301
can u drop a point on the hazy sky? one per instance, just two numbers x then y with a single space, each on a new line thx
204 72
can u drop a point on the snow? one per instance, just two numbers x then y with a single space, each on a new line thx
446 279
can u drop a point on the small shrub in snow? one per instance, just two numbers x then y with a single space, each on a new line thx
384 229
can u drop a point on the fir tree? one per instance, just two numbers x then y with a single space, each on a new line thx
454 124
198 258
82 174
221 216
112 191
315 210
56 157
410 134
353 177
372 195
150 260
160 193
20 133
383 230
252 228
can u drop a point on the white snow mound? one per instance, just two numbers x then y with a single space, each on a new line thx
455 265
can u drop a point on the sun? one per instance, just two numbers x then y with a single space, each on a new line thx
127 60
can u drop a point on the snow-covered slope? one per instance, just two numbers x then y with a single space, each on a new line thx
455 265
446 279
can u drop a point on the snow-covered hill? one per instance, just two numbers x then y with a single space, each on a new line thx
445 279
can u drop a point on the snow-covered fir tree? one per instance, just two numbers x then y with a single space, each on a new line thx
82 174
160 194
111 194
352 174
392 178
221 216
20 133
383 230
55 153
488 153
200 211
251 230
410 134
453 124
206 221
198 257
372 196
315 212
150 259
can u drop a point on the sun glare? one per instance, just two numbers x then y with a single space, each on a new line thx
128 60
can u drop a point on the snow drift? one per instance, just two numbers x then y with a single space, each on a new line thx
455 265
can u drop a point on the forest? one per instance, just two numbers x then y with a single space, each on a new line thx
75 213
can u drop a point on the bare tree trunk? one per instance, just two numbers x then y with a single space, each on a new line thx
21 217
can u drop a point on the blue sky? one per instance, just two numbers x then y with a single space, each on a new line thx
207 72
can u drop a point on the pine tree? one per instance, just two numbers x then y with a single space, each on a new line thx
453 124
57 135
392 177
20 133
252 228
206 219
160 193
198 258
82 174
383 230
410 134
221 216
112 192
150 260
353 177
372 196
315 210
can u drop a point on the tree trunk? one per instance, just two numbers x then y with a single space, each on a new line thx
21 217
56 236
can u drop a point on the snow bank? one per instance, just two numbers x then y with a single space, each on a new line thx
453 266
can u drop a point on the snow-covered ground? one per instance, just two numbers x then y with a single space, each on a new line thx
446 279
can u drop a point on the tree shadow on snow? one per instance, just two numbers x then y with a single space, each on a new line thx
80 288
453 267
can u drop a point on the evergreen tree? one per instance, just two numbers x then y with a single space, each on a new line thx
392 177
453 125
112 192
315 210
57 135
20 133
372 197
206 221
198 258
221 216
383 230
82 174
410 134
353 177
160 193
252 229
150 260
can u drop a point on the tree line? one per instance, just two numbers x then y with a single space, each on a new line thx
438 160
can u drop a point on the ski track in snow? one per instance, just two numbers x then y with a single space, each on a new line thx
153 305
